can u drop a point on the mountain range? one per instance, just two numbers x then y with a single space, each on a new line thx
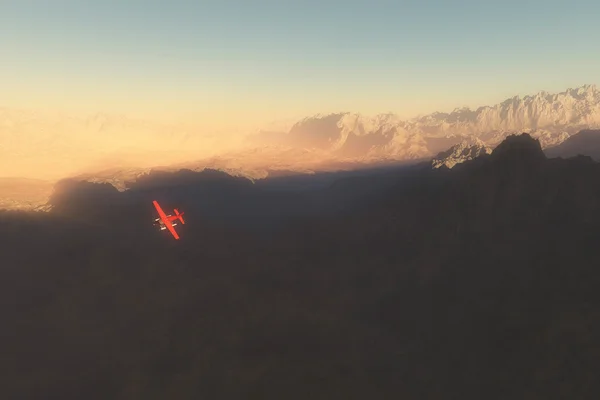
44 148
550 118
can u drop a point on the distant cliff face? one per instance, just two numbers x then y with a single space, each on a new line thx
550 118
459 153
572 108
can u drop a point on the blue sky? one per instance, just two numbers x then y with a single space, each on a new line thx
269 60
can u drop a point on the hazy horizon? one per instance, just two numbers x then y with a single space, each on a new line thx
39 145
203 79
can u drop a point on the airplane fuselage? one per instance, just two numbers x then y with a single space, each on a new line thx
159 222
167 221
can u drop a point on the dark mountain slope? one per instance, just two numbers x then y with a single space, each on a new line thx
476 282
216 198
585 142
494 254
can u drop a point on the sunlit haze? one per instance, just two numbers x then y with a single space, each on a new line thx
228 68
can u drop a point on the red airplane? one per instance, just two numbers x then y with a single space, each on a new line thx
165 220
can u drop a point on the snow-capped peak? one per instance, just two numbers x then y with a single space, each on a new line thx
550 118
466 150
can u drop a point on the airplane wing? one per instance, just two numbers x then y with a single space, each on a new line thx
165 220
169 226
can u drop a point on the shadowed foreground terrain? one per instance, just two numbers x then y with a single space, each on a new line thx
480 282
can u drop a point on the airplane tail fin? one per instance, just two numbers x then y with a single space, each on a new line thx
180 215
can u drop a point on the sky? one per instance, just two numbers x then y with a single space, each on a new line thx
235 64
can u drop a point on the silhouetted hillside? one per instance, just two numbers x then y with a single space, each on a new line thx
476 282
213 196
586 142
